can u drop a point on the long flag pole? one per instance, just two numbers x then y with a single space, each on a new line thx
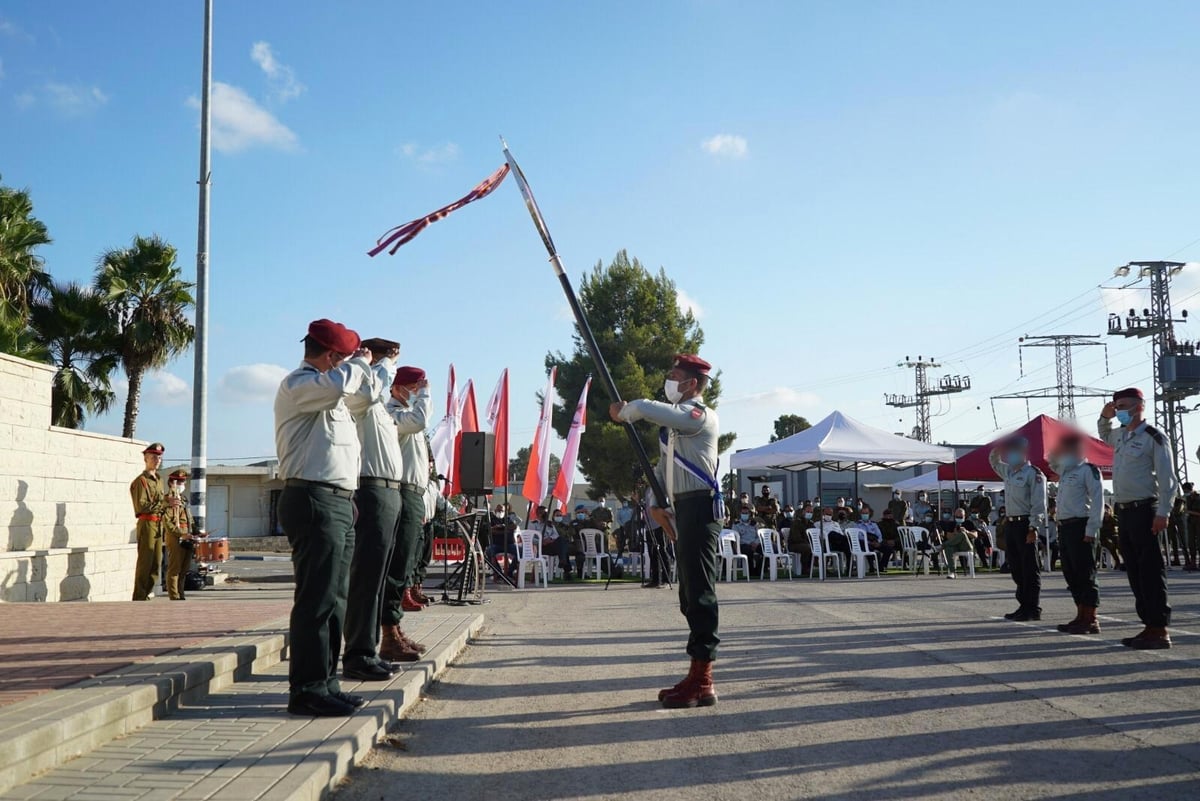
585 329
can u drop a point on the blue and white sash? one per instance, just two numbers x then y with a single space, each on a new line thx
699 474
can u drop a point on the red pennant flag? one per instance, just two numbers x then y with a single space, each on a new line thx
402 234
497 419
537 476
566 471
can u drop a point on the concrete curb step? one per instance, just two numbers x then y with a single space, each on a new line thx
239 743
46 731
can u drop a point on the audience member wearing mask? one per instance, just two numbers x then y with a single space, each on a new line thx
746 527
875 540
959 538
898 508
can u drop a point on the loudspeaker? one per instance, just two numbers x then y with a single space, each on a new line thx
476 459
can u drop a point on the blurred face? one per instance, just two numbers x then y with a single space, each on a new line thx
175 486
403 392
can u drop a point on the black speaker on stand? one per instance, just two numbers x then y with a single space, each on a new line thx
476 459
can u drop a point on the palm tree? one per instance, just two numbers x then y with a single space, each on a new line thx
22 279
148 302
76 331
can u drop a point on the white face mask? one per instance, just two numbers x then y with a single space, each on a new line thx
671 390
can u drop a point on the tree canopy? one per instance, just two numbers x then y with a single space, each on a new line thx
788 424
639 328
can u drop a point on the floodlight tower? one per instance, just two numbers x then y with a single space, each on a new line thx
1176 365
948 385
1066 391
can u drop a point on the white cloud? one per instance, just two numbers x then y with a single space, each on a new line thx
428 155
281 77
69 99
251 383
785 399
14 31
687 303
726 146
166 389
240 123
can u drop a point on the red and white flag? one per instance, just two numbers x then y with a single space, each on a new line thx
468 422
537 475
497 420
566 472
403 234
444 438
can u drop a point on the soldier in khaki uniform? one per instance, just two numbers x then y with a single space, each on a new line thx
149 505
177 529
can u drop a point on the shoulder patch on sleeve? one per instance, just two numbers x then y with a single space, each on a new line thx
697 413
1156 435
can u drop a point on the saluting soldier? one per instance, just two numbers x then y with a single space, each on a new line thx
178 528
317 444
149 503
410 407
1144 489
1025 497
378 503
1080 514
687 471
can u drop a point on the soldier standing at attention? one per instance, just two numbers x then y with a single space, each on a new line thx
687 470
410 408
317 445
1144 489
1080 513
378 504
149 504
766 507
177 525
899 508
1025 497
1192 527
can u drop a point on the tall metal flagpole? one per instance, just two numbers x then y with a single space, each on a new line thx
585 329
200 383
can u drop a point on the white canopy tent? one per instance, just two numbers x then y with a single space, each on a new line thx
928 482
841 443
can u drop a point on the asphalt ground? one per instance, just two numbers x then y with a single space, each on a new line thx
891 688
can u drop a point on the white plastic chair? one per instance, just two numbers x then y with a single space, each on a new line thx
773 554
858 554
920 559
820 556
593 550
731 557
952 560
529 555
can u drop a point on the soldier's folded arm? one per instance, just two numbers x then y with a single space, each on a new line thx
415 419
311 391
664 414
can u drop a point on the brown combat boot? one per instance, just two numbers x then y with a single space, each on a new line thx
1153 639
420 597
1087 624
1066 627
393 649
662 694
410 642
697 689
1129 641
408 603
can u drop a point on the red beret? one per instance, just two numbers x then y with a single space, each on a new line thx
179 475
155 448
408 375
1132 392
334 336
692 363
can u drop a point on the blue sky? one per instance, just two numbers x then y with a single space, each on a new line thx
833 185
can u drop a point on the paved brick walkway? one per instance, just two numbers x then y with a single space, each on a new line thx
47 646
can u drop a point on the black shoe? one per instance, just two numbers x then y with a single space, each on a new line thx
390 667
1014 615
356 701
1024 616
366 671
654 585
319 706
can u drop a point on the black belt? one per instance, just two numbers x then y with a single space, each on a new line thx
1073 520
372 481
684 496
341 492
1018 517
1135 504
404 485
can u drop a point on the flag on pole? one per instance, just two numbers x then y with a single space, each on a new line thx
403 234
444 440
497 420
467 419
537 475
566 471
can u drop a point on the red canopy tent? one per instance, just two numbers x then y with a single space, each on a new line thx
1043 433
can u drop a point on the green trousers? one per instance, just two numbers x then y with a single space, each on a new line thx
320 527
374 541
149 558
424 555
697 560
1079 560
1193 540
402 564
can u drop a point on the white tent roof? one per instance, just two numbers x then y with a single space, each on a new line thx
929 483
839 443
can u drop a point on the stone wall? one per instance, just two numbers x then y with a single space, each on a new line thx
64 499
